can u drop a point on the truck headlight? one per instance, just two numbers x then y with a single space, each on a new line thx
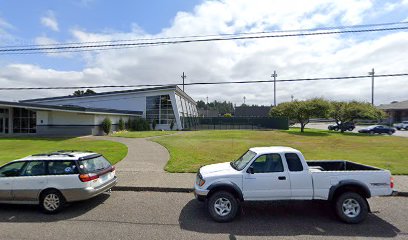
199 180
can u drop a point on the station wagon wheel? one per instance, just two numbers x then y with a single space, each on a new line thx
351 207
223 206
52 201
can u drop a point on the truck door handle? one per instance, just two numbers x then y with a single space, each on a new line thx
282 178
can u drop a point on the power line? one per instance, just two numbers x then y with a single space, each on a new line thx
207 83
212 35
127 45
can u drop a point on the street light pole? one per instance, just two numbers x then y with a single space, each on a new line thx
274 75
372 85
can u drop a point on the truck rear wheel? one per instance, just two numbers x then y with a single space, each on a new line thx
223 206
351 207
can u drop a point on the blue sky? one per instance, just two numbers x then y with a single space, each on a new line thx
91 15
25 22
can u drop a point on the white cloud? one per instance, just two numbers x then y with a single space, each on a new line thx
296 57
50 21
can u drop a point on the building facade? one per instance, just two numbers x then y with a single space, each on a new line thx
82 115
397 111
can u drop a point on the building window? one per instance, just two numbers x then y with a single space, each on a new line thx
24 121
159 109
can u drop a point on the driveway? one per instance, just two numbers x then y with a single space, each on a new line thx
323 126
149 215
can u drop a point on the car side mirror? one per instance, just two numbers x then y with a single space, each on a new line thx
250 170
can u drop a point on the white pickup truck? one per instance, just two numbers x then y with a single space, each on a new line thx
281 173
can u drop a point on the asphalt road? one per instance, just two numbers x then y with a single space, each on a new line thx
399 133
153 215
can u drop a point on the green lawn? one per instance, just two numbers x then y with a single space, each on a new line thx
142 134
191 150
14 148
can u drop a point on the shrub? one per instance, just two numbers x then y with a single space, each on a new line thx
172 125
154 124
107 125
121 125
228 115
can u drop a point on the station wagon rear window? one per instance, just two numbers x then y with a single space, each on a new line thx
94 164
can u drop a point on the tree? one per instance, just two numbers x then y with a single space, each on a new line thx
343 112
302 111
82 92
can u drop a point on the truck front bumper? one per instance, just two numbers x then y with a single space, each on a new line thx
200 194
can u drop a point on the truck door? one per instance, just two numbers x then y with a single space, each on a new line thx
269 180
300 178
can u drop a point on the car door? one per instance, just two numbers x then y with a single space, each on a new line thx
8 174
269 180
32 180
300 178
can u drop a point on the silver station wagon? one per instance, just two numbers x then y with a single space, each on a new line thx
53 179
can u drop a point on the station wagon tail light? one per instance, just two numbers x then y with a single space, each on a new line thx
88 177
112 168
392 182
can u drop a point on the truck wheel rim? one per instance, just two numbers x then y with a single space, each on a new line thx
222 206
351 208
51 202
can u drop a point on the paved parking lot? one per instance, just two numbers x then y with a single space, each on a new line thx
401 133
148 215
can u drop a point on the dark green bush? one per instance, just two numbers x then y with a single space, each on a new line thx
107 125
122 125
172 125
154 123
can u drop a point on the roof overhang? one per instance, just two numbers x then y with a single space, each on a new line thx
73 109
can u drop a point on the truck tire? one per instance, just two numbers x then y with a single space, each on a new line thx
398 128
223 206
351 207
51 201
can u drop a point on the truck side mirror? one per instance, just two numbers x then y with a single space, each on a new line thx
250 170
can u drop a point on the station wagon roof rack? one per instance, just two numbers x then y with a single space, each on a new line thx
64 151
53 154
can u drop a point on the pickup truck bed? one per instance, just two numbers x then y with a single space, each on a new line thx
340 165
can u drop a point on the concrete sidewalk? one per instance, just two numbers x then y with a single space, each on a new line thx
143 168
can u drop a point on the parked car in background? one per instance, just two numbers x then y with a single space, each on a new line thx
53 179
282 173
347 126
400 126
380 129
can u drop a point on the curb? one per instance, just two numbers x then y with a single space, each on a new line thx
402 194
188 190
152 189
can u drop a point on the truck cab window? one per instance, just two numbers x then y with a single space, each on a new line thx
294 163
268 163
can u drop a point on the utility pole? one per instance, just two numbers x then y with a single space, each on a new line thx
372 85
183 77
207 107
274 75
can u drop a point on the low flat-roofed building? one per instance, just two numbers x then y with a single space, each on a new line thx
83 115
397 111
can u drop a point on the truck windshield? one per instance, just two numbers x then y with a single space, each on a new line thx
241 162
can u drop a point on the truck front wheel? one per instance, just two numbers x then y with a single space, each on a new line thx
351 207
223 206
